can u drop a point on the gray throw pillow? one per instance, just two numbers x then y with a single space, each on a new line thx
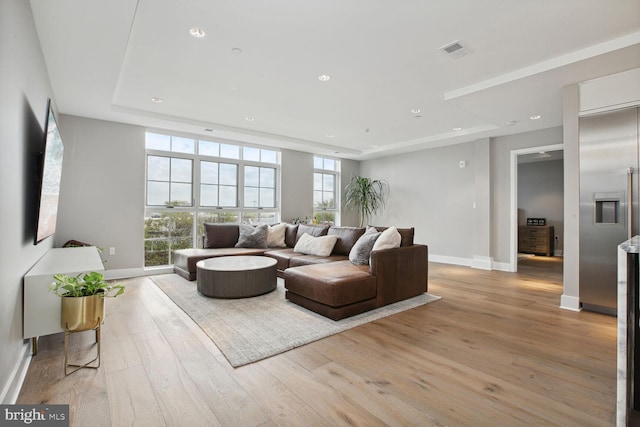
253 237
361 251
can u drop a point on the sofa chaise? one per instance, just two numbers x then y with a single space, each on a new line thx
328 283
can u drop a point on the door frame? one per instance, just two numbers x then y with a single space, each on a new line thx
513 223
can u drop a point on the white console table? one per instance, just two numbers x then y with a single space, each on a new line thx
41 310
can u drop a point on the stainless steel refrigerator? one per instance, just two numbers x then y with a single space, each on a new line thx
609 190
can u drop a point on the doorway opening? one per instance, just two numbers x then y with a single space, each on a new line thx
537 204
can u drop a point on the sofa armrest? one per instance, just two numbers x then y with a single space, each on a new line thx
401 273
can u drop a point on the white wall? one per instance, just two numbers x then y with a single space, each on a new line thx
541 195
24 89
102 189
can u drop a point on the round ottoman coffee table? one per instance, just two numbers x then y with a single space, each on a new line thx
236 276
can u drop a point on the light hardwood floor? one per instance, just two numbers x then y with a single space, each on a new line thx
495 351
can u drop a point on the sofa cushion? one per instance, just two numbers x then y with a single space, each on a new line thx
347 237
388 239
291 235
298 260
335 284
275 236
405 233
321 246
221 235
312 230
252 237
282 256
361 251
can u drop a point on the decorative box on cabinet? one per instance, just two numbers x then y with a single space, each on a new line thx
536 240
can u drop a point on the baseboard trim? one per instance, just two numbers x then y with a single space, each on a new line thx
478 262
126 273
502 266
482 262
12 388
570 303
450 260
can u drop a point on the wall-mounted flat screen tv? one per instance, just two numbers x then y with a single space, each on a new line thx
50 177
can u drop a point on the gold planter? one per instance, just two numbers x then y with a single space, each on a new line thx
81 313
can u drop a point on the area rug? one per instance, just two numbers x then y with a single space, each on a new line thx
250 329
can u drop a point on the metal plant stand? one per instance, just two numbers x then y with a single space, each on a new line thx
90 364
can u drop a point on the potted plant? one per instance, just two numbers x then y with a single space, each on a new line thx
366 195
83 299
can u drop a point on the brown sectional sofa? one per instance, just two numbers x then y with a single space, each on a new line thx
332 286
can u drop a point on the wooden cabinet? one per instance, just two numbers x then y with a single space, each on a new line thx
41 309
536 240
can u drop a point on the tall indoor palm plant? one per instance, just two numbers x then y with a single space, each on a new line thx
366 195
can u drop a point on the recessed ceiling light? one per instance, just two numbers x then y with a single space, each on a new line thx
416 110
324 77
197 32
236 51
249 118
536 117
457 129
374 146
156 99
330 135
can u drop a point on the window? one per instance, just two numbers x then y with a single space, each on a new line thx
169 181
259 187
191 182
325 190
218 184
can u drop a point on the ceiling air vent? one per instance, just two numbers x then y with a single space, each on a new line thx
456 49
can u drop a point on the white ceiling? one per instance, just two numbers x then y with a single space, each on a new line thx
107 59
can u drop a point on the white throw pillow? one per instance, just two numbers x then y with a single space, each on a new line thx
389 239
275 238
320 246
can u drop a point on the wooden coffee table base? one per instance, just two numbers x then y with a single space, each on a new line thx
236 276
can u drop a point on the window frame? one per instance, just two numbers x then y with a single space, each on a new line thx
321 215
237 213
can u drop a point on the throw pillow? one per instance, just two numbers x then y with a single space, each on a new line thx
275 236
320 246
361 251
253 237
389 239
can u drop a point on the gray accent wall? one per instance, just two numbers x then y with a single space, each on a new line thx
501 148
348 218
297 200
462 214
24 89
102 189
429 190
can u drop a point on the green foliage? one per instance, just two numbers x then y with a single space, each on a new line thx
92 283
163 234
365 195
